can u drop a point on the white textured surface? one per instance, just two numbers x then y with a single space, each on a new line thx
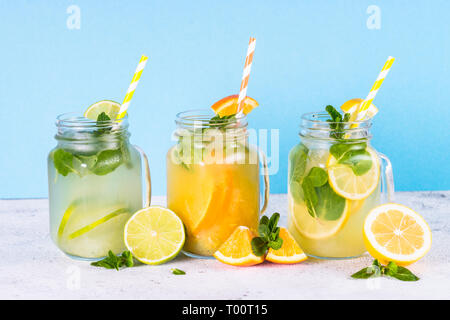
32 267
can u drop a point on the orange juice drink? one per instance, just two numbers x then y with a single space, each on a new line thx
212 179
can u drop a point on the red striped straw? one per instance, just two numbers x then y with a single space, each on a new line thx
246 74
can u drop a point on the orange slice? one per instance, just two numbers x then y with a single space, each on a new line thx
228 105
393 232
290 251
237 249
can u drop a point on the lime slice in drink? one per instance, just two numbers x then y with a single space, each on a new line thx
65 218
154 235
111 108
95 224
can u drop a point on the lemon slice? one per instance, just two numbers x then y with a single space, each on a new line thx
349 185
314 228
111 108
351 105
154 235
393 232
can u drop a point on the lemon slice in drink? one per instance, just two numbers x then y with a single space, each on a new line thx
315 228
347 184
111 108
154 235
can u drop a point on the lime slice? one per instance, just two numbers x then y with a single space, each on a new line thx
111 108
66 217
154 235
95 224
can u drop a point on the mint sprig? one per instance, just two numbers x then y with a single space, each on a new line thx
104 127
337 122
269 235
391 270
115 262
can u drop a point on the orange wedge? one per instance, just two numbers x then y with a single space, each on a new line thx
228 105
237 249
393 232
290 251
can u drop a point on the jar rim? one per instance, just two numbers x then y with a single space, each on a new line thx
315 125
201 118
320 117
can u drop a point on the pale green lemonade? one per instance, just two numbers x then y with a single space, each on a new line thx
94 186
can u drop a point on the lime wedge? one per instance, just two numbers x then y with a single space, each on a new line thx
95 224
65 218
154 235
111 108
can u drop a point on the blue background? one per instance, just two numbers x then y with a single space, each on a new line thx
308 54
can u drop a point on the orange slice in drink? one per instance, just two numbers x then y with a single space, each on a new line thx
237 249
393 232
290 251
228 105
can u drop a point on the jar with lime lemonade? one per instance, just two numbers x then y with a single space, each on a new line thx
213 176
95 182
335 178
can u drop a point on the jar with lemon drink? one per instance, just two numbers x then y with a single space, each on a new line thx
335 178
94 178
213 179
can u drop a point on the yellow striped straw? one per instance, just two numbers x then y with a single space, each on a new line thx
132 87
362 112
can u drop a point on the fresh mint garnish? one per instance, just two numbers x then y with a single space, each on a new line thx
177 272
337 122
359 161
391 270
107 161
63 161
104 127
219 122
269 235
115 262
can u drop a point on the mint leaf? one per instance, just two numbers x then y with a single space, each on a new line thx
318 176
177 272
359 161
391 270
334 114
273 221
297 160
107 161
364 273
219 122
310 196
259 246
115 262
63 162
276 244
103 117
268 235
337 150
330 206
104 127
404 274
263 230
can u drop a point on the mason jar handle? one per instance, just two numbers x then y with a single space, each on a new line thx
266 181
387 178
148 181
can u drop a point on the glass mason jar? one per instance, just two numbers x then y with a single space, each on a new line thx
335 178
213 179
94 179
